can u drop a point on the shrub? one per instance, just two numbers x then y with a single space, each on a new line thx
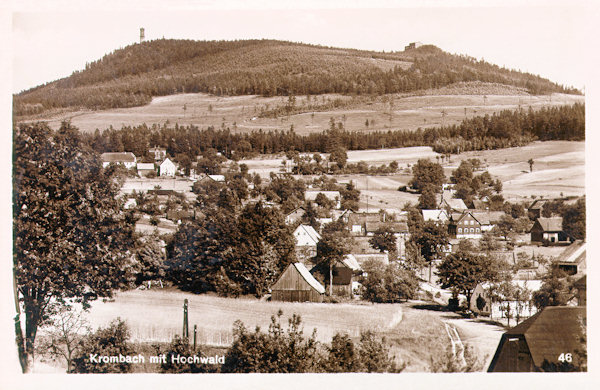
181 346
110 341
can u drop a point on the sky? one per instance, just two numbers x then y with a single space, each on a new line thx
544 38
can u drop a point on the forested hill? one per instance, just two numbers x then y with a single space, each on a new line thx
133 75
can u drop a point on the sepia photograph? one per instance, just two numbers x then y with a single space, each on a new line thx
368 189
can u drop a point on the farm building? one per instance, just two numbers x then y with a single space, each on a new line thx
343 275
294 216
167 168
487 219
548 231
452 205
127 159
296 284
480 205
144 169
551 340
358 222
535 208
572 259
307 239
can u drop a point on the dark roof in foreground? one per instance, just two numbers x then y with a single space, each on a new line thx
553 224
551 332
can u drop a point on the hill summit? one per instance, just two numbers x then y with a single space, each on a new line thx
133 75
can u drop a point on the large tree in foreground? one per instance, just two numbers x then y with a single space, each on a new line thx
71 237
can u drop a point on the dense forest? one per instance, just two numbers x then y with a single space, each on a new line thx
501 130
133 75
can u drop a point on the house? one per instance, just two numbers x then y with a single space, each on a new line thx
452 205
573 259
536 207
295 215
548 231
436 215
400 230
159 154
357 222
334 196
144 169
167 168
127 159
307 239
464 225
343 275
550 339
296 284
487 219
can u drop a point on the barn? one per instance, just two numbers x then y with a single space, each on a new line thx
551 340
296 284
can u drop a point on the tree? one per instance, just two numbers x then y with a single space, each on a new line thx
64 334
555 289
428 198
180 346
274 351
505 226
574 220
463 270
332 248
110 341
431 239
426 173
384 240
339 156
71 234
530 162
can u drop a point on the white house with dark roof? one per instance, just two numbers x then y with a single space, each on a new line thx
307 239
127 159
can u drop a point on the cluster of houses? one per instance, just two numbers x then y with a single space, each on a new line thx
162 165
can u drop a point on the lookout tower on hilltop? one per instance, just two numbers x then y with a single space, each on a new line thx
142 35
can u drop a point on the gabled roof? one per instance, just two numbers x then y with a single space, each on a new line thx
536 204
118 157
552 332
145 166
309 231
296 210
314 283
360 218
487 217
453 203
167 161
480 204
351 262
435 215
553 224
574 253
395 227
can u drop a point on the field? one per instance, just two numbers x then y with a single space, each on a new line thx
559 168
415 335
241 113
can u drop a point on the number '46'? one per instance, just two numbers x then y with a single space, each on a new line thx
565 357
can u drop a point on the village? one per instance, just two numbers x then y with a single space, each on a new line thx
538 243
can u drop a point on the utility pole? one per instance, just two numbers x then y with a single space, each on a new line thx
186 332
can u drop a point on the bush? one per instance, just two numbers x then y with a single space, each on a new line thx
181 346
110 341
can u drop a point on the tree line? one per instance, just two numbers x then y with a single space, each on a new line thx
500 130
133 75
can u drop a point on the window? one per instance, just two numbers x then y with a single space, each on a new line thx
472 230
459 230
477 230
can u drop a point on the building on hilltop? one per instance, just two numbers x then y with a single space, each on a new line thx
413 45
